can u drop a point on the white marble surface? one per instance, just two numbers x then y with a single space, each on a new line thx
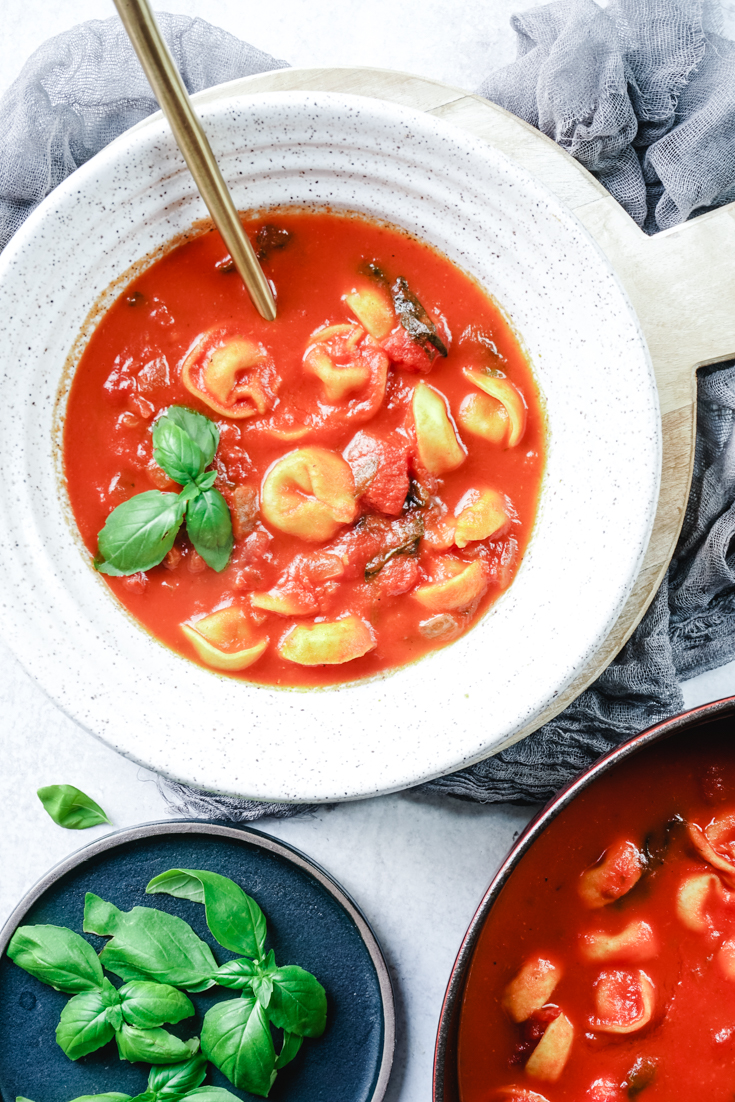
417 867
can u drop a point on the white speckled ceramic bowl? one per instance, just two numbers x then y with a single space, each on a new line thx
599 490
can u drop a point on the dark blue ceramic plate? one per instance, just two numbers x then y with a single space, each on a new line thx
311 922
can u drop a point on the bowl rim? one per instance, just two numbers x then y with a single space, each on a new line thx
250 835
359 786
445 1072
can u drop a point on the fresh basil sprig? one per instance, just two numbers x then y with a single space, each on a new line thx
156 953
150 944
97 1012
140 532
236 1034
170 1083
70 807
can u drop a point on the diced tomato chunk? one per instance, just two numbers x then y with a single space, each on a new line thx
406 352
136 583
382 463
398 576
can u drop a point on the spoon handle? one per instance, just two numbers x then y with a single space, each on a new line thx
169 90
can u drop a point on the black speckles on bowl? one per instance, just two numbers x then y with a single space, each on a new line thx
311 922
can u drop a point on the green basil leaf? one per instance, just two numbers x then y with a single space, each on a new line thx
237 974
147 1005
111 1096
202 431
140 532
153 1046
237 1039
233 917
207 480
189 492
414 318
298 1003
115 1016
263 989
209 527
212 1094
175 1080
174 450
149 944
84 1026
56 956
70 807
292 1042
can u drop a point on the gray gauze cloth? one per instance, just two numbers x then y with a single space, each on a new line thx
643 94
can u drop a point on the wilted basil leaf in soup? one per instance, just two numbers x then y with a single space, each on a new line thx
317 499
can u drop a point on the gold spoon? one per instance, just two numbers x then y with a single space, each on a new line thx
169 90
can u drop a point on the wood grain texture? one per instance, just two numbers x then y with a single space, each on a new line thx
681 283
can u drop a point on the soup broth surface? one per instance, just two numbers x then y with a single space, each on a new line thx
616 931
382 493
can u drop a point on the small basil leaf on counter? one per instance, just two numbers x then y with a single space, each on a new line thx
56 956
212 1094
70 807
209 527
298 1003
175 1080
140 532
153 1046
148 1005
233 917
202 431
174 450
237 974
149 944
237 1039
292 1042
83 1025
207 480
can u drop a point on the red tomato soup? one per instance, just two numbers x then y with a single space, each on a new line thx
379 449
606 968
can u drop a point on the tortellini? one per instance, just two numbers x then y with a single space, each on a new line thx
309 493
328 643
226 640
531 988
233 375
439 447
482 419
461 585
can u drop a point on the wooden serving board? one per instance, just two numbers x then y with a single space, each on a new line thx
681 283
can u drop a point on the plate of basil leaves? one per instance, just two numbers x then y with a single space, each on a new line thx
192 962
